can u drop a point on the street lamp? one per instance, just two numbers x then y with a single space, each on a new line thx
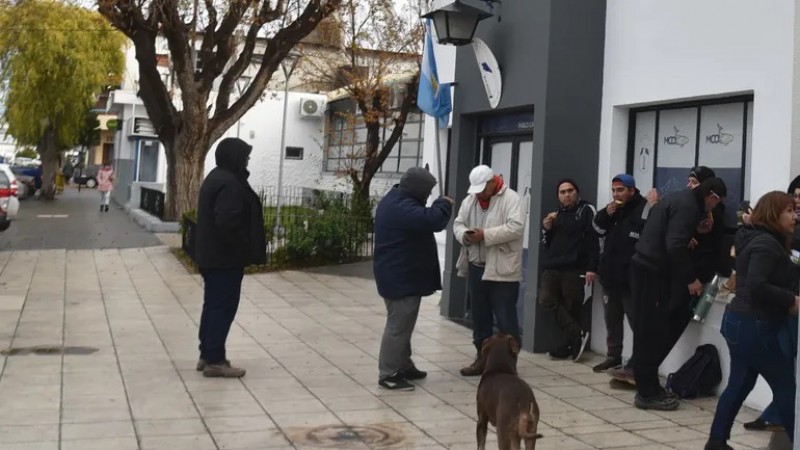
456 20
288 65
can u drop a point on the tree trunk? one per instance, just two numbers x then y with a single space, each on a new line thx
48 153
361 198
185 172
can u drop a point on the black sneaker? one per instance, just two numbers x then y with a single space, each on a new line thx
395 383
580 345
560 353
413 374
609 363
658 402
762 425
717 445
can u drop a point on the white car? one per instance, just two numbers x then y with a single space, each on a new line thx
13 202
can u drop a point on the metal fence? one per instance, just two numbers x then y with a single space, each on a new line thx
152 201
314 229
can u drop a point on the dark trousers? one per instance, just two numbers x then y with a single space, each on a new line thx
562 294
616 305
492 300
755 350
651 295
220 303
678 316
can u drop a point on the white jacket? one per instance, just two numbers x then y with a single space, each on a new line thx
503 230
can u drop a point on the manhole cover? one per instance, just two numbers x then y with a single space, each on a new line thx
47 350
340 436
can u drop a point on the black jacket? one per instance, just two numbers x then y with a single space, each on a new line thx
766 278
621 232
406 260
664 242
572 242
230 219
712 253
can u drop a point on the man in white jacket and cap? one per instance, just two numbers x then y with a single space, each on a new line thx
489 226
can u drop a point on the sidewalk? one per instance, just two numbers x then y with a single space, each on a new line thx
73 221
309 341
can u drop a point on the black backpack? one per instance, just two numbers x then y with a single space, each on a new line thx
698 376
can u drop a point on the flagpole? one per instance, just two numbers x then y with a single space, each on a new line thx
439 157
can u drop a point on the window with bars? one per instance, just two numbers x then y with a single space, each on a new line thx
347 138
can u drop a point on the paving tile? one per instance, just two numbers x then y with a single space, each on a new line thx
612 439
97 430
27 433
178 442
219 425
169 427
268 438
117 443
672 434
48 445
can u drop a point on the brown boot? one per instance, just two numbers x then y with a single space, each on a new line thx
223 371
476 368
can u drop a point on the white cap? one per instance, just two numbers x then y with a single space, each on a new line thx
478 179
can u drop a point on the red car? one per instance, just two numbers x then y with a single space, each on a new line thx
5 198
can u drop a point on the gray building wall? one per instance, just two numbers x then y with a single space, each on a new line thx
551 57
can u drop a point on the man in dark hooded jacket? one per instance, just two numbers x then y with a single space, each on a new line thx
230 237
406 265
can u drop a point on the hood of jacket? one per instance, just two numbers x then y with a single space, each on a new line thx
418 182
748 234
232 155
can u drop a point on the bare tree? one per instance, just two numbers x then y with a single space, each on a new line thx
227 32
376 65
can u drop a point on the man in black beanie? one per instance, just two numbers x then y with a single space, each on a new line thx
230 237
570 251
406 266
662 273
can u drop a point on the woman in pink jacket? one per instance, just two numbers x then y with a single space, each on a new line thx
105 183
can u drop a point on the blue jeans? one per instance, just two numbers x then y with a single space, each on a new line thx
755 349
220 303
771 415
492 300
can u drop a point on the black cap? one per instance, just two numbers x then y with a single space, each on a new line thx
702 173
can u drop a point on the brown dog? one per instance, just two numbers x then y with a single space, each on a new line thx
504 399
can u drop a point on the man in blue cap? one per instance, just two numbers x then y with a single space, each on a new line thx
620 223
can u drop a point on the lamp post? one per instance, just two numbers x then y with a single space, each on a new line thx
288 65
241 85
456 20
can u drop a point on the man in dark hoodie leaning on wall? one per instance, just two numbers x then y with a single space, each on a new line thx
406 266
230 237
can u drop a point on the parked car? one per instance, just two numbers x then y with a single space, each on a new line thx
31 176
13 203
26 186
5 198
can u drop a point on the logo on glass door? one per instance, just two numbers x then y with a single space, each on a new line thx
676 139
719 137
644 152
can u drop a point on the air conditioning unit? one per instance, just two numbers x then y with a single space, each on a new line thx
312 107
142 127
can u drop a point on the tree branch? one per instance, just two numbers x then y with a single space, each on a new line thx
277 49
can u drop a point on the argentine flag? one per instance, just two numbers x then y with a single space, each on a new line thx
432 98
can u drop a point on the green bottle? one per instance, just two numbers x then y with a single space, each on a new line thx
705 301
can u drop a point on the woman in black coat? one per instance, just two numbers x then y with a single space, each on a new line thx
753 322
